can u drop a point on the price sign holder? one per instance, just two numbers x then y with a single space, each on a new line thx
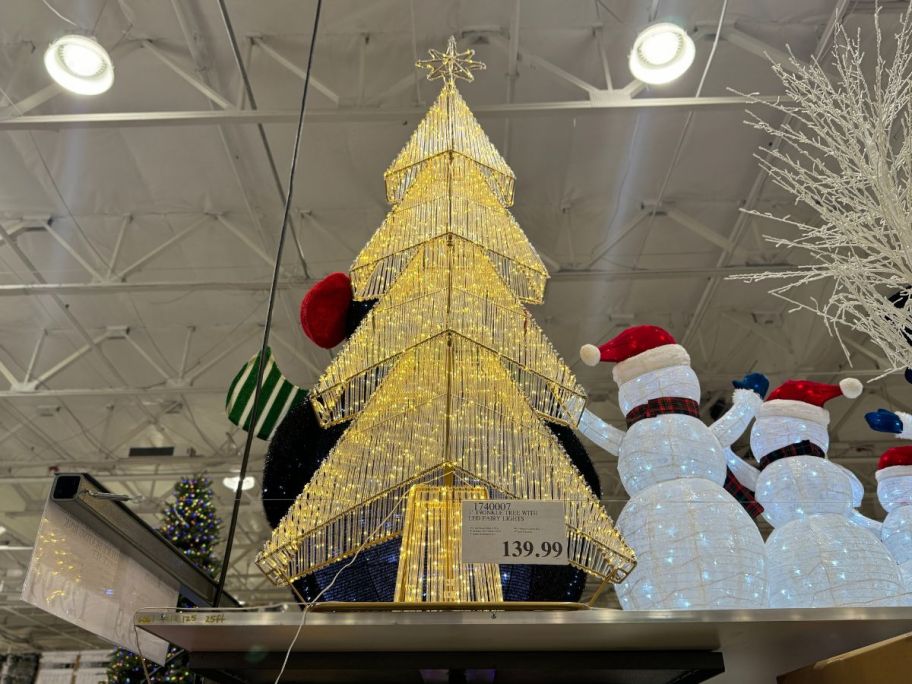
514 531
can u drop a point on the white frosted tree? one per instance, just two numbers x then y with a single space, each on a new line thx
844 150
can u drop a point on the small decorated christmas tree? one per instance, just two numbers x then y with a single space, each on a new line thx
448 382
191 523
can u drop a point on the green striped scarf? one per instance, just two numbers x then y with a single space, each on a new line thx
277 397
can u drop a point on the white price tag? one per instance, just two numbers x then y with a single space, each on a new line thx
514 532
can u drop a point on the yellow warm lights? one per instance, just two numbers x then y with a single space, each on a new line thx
447 382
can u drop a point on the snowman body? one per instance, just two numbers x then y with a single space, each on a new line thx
696 546
816 556
895 495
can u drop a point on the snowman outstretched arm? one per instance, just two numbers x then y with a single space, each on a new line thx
604 435
743 471
897 422
746 401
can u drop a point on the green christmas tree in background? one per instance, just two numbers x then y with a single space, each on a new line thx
190 523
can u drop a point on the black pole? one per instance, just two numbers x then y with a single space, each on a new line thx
255 411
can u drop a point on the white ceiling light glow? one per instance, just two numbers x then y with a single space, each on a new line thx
232 483
79 64
661 53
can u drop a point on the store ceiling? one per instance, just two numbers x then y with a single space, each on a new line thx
151 236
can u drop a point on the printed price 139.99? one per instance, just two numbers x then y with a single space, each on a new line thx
517 549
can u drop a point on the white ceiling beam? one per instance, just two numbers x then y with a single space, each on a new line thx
400 86
879 360
151 254
69 360
36 351
201 367
568 274
281 59
512 73
368 114
561 74
616 238
72 251
112 263
598 33
30 102
755 329
564 273
26 289
205 89
250 244
196 44
757 47
165 375
702 230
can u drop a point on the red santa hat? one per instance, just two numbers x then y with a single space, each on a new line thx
324 310
637 350
804 399
894 462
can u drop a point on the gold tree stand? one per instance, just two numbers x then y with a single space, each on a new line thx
430 559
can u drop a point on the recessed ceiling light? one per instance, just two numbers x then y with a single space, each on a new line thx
231 483
79 64
661 53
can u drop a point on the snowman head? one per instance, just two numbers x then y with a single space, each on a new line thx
649 365
894 478
794 413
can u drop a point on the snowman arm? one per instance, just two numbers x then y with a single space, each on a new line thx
743 471
733 423
604 435
863 521
906 425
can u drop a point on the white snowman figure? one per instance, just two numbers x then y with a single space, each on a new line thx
816 556
696 546
894 491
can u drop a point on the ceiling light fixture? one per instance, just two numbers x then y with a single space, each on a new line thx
661 53
79 64
231 483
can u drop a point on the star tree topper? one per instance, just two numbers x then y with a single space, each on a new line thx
450 65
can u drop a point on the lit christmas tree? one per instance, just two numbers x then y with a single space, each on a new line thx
448 382
190 523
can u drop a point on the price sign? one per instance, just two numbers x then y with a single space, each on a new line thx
514 532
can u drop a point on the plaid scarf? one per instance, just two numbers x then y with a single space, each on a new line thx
742 494
803 448
663 405
688 407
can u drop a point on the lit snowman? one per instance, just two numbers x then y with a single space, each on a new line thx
816 556
696 546
894 491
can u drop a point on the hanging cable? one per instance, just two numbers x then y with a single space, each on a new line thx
248 91
255 410
54 10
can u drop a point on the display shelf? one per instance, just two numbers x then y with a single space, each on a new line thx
599 645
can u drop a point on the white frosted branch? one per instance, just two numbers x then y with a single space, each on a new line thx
844 150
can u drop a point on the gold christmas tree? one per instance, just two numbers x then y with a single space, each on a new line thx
448 380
